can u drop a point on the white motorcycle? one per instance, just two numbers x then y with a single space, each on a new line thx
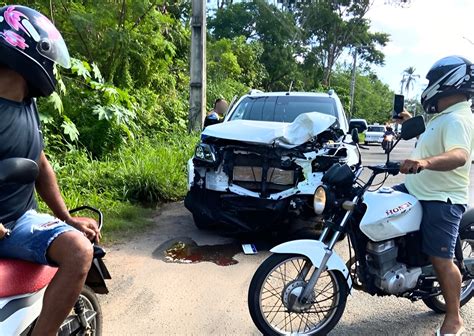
302 288
23 284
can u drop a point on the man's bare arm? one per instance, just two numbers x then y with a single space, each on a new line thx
48 189
444 162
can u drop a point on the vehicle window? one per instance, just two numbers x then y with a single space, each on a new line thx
282 109
361 126
241 109
376 129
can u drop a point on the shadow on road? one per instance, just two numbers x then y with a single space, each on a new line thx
382 326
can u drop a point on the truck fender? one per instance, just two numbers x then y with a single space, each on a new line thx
315 250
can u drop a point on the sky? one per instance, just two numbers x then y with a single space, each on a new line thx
421 34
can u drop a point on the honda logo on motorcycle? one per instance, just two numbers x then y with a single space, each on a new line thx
398 209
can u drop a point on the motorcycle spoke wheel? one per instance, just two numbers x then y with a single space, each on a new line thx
284 318
92 322
72 325
437 303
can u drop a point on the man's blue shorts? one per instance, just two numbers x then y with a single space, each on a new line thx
31 236
439 226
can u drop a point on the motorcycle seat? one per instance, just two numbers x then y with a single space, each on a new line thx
22 277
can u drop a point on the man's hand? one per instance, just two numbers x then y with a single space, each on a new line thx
404 115
413 166
4 232
86 225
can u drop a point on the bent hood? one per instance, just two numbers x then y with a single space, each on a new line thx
305 127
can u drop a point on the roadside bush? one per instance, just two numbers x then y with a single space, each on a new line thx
145 172
152 171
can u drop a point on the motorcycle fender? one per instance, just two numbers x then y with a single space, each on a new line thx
315 251
97 275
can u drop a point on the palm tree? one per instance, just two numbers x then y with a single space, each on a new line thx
409 78
402 84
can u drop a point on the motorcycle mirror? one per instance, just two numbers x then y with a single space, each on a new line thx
18 170
355 135
412 128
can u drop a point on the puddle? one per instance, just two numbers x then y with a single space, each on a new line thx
186 251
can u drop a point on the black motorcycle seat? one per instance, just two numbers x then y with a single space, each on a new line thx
18 170
467 218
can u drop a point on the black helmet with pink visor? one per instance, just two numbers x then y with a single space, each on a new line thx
30 45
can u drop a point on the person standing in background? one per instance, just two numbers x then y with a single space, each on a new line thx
217 113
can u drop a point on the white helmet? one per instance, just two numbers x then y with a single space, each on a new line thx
450 75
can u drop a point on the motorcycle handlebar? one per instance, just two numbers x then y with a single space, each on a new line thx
392 168
94 210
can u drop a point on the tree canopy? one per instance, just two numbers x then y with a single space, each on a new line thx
130 74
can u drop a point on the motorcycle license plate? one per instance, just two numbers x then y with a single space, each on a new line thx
249 249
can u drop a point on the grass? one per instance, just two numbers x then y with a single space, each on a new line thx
129 185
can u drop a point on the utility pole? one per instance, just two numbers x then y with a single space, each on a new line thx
353 81
197 97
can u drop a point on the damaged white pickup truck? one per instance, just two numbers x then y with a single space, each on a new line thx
258 170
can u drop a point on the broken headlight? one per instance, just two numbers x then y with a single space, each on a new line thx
205 152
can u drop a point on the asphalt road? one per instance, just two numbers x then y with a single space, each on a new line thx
149 296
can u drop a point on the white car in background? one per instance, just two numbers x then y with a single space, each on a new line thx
374 134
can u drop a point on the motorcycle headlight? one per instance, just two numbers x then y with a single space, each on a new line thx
319 200
205 152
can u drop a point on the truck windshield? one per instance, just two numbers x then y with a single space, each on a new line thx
282 108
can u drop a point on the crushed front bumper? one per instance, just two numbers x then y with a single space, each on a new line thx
238 213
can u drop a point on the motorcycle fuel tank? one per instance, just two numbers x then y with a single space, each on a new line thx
390 214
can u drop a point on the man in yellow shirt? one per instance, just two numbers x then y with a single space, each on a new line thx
442 162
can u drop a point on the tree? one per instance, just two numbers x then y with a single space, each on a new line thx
409 79
277 32
332 26
234 20
233 67
373 99
141 48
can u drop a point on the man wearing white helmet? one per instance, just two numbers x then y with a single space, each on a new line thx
442 163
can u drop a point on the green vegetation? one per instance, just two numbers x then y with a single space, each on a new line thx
146 172
116 131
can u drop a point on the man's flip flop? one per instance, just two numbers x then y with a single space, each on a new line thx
459 333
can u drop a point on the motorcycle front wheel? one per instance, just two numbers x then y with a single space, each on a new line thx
93 313
437 303
278 280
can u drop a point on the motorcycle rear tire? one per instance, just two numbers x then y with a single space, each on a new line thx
439 307
435 304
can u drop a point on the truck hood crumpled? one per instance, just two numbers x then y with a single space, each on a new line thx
288 135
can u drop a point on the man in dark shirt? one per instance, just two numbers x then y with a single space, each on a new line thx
30 45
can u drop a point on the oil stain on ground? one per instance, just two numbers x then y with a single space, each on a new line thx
186 251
